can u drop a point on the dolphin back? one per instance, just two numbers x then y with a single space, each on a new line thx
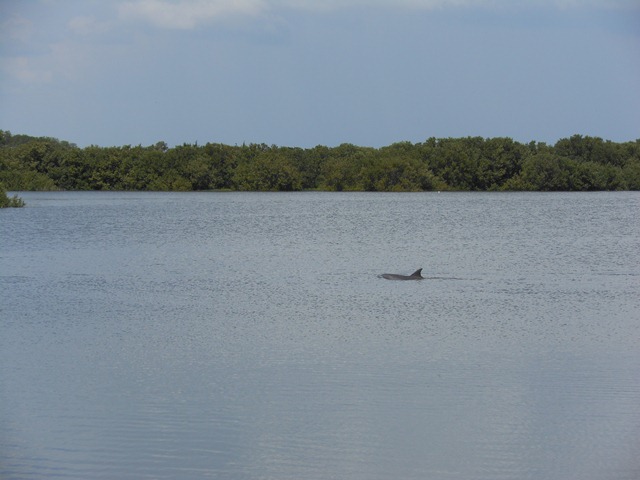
417 275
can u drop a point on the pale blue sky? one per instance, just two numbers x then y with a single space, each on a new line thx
304 73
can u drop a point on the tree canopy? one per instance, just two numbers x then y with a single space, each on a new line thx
578 163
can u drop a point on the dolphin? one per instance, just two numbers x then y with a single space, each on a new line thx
417 275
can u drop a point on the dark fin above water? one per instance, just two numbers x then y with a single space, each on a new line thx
394 276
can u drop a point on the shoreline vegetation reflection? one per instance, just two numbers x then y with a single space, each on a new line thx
578 163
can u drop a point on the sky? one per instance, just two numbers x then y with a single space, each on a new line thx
303 73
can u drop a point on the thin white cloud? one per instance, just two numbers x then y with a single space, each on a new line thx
416 4
86 25
25 69
188 14
441 4
185 14
17 28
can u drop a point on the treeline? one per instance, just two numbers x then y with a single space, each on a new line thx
578 163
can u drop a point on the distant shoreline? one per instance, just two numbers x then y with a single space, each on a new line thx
578 163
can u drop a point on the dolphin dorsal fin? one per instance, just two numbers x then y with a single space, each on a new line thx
417 273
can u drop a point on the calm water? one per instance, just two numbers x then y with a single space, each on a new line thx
248 336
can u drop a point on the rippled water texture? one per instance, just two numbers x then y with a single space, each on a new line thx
249 336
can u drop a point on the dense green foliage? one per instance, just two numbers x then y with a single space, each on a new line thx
6 201
579 163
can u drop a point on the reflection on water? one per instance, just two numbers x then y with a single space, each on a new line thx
249 336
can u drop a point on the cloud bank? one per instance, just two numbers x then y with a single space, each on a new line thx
188 14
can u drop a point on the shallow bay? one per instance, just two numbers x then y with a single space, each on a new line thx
248 335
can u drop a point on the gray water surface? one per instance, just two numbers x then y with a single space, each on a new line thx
248 336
